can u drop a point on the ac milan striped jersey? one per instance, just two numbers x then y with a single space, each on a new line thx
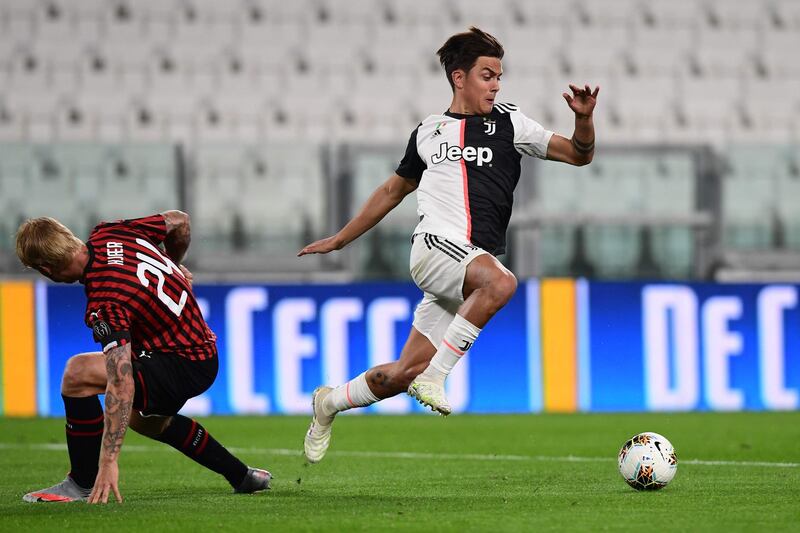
467 167
136 294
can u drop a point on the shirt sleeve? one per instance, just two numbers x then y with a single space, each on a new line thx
412 166
110 323
154 226
530 138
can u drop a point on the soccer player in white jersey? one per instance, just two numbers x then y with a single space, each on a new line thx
464 164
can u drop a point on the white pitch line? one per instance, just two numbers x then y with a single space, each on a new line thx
413 455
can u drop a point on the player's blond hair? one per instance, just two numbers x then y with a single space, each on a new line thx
46 242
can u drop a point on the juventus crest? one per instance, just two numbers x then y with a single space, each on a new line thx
490 126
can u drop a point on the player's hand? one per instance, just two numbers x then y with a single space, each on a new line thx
582 101
106 482
322 246
187 274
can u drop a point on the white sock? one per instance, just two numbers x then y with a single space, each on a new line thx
458 339
354 393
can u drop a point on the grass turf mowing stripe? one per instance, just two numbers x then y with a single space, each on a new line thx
417 455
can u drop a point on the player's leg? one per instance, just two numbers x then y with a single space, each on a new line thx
487 287
84 378
379 382
190 438
383 381
164 383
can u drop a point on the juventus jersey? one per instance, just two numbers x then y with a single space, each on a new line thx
467 167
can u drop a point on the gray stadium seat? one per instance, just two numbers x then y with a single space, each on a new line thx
749 196
277 190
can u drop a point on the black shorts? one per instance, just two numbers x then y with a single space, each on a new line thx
163 382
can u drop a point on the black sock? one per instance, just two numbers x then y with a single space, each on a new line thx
84 435
192 439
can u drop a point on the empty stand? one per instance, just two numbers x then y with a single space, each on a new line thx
94 95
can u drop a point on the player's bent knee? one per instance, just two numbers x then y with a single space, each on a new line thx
503 287
152 427
509 285
73 382
84 375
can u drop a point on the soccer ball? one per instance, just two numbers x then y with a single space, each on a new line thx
647 461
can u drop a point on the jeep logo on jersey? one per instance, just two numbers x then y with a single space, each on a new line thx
481 154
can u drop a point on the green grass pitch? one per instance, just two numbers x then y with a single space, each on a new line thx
736 472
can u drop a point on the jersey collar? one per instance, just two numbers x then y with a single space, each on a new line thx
460 116
88 267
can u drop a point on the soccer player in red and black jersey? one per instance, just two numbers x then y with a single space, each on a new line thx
158 350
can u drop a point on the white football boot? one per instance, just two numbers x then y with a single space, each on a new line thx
430 395
318 437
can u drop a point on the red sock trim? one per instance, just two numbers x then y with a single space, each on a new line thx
456 350
202 444
92 421
347 394
190 435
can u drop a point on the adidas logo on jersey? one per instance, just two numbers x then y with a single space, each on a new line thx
480 154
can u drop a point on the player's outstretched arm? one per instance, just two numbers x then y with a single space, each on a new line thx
381 201
119 402
179 234
579 150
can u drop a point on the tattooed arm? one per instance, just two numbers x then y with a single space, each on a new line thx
179 234
119 402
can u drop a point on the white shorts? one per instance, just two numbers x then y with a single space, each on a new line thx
438 267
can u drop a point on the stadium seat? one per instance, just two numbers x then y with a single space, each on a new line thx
75 121
559 188
777 53
613 250
363 13
530 51
610 13
16 161
540 13
12 123
669 185
123 21
724 14
672 15
18 20
709 110
648 118
370 169
277 190
787 184
672 249
725 53
788 13
772 110
556 246
749 196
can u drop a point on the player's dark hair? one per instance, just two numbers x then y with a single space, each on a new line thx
462 50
